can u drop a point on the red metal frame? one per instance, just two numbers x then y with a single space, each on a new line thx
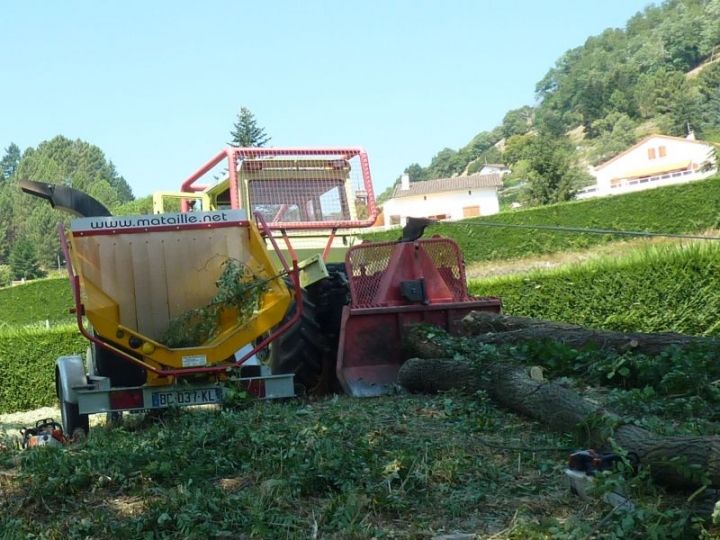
372 326
74 279
234 154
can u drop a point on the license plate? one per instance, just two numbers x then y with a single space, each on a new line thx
180 398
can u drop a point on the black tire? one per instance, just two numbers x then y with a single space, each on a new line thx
329 296
309 349
119 371
302 349
72 420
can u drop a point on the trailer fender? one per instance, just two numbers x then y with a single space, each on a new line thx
69 373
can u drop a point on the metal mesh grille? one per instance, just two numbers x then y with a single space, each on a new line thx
305 188
446 257
368 263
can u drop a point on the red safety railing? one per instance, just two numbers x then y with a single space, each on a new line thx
296 188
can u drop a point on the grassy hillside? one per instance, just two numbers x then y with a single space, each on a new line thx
663 289
686 208
36 302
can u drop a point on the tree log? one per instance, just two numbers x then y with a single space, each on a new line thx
498 329
680 461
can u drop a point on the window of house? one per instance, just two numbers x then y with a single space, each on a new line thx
439 217
471 211
662 151
651 153
394 220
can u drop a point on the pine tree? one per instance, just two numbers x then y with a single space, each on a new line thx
246 132
10 161
23 261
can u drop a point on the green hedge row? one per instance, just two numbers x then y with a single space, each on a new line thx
36 302
27 360
677 209
661 289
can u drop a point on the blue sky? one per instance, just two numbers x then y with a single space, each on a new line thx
157 85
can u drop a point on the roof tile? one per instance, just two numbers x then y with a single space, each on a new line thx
473 181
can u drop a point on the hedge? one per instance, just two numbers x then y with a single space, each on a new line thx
27 359
661 289
684 208
36 302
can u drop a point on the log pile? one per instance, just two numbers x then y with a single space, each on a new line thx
678 461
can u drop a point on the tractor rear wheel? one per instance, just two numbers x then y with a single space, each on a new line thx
309 348
302 349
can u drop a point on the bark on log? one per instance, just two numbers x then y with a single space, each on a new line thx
673 461
498 329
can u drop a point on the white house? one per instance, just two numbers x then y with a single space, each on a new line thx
657 160
443 199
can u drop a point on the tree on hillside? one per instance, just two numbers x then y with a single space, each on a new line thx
445 164
10 161
246 132
142 205
75 163
416 172
616 132
549 164
62 161
517 121
23 261
616 82
709 87
387 193
553 171
6 220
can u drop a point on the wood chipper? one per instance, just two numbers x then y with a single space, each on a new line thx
177 305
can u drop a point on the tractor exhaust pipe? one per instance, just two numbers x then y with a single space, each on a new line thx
65 198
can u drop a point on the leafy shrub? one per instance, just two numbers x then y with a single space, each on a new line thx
27 359
666 289
35 302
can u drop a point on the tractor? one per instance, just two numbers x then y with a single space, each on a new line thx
179 304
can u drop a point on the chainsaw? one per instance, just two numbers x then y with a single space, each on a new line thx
46 432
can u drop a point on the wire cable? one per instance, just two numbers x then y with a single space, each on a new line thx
590 230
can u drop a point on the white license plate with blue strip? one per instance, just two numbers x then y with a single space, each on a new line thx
183 397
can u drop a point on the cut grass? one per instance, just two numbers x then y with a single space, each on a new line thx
394 467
